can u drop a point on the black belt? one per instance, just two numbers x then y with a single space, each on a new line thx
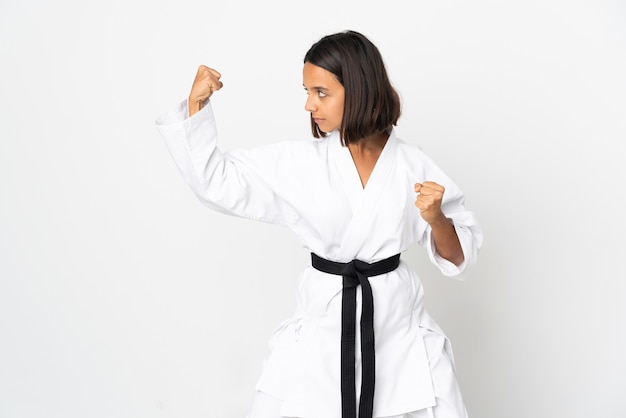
354 273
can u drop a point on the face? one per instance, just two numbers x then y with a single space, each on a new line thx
325 97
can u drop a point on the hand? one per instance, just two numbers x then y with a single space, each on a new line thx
206 82
428 201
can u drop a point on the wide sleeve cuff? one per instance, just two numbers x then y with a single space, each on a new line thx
470 237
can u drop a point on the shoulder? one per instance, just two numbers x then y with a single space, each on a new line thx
409 149
418 161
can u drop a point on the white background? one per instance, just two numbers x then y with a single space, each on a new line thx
122 297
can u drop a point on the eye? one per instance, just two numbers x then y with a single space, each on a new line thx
321 93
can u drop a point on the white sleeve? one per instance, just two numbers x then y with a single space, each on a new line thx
471 238
219 181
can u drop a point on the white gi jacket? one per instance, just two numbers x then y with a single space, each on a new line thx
312 186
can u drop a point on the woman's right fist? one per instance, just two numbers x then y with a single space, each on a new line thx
206 82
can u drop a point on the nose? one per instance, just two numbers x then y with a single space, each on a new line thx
310 104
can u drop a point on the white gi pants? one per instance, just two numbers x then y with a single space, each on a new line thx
449 402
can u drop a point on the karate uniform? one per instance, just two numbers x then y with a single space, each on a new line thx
312 187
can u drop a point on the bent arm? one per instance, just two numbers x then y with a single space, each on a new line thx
233 185
454 236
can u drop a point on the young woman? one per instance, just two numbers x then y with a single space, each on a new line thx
360 343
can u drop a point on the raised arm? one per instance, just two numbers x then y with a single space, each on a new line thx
240 182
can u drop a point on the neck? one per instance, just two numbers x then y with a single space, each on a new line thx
370 144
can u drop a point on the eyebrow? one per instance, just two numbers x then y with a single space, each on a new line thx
316 88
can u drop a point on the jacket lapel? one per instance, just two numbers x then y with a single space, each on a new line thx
363 201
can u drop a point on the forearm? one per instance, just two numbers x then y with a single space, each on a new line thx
446 241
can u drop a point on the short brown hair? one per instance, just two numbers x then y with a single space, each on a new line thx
371 104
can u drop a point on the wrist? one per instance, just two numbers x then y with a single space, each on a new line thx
440 221
194 105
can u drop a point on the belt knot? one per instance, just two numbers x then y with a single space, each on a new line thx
354 273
